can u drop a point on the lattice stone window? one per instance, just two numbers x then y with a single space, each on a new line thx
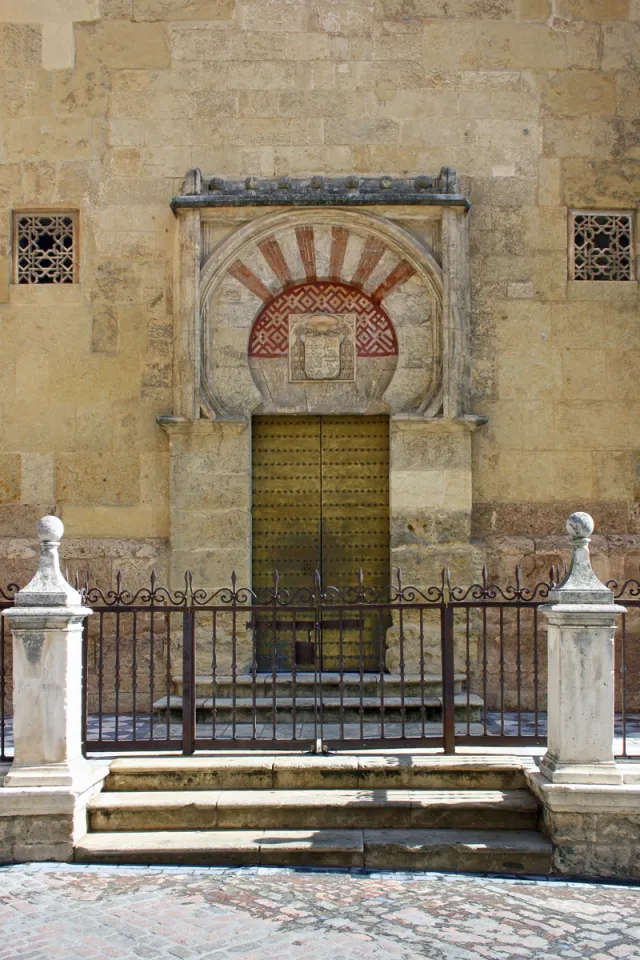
45 247
601 245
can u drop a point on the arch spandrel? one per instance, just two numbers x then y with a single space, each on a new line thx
287 267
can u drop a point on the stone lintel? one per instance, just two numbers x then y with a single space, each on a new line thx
205 425
319 191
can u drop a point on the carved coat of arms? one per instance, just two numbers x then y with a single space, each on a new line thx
322 347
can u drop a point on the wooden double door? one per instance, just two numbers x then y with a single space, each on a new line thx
321 503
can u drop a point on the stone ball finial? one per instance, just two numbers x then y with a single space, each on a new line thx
50 529
580 526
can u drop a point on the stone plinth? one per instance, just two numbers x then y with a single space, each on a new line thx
582 619
44 796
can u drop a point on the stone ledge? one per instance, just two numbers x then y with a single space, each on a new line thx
48 801
318 191
585 798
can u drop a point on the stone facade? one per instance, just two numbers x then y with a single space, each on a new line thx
107 103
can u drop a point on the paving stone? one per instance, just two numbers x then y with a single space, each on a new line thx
265 913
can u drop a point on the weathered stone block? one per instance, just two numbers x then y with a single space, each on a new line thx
550 182
338 131
104 329
583 45
621 46
583 136
593 9
97 478
50 139
5 275
201 10
520 46
37 478
622 292
116 9
459 9
119 44
534 9
58 46
579 92
10 477
201 42
589 182
593 860
20 45
529 376
571 827
545 230
628 94
43 11
450 46
621 383
276 16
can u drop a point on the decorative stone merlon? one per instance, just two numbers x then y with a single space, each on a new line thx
582 618
318 191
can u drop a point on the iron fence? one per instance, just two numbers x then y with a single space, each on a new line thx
316 668
6 673
627 668
320 668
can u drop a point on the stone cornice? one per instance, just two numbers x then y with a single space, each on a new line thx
318 191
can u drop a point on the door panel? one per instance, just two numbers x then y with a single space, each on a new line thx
355 500
321 501
355 531
286 500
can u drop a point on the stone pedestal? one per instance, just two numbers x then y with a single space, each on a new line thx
44 796
582 619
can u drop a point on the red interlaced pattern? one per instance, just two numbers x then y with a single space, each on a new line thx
375 336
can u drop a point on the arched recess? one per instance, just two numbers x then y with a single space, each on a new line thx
315 246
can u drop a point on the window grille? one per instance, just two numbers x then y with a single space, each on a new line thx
45 247
601 245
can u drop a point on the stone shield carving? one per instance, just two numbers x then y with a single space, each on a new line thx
322 347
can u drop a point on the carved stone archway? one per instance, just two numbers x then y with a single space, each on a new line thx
257 261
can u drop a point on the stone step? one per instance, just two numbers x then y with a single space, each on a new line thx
313 809
370 685
485 851
413 709
309 772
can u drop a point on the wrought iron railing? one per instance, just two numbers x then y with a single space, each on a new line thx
323 668
627 667
316 667
6 673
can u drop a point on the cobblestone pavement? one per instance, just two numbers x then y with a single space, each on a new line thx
127 913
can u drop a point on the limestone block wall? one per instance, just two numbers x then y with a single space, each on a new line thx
106 103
